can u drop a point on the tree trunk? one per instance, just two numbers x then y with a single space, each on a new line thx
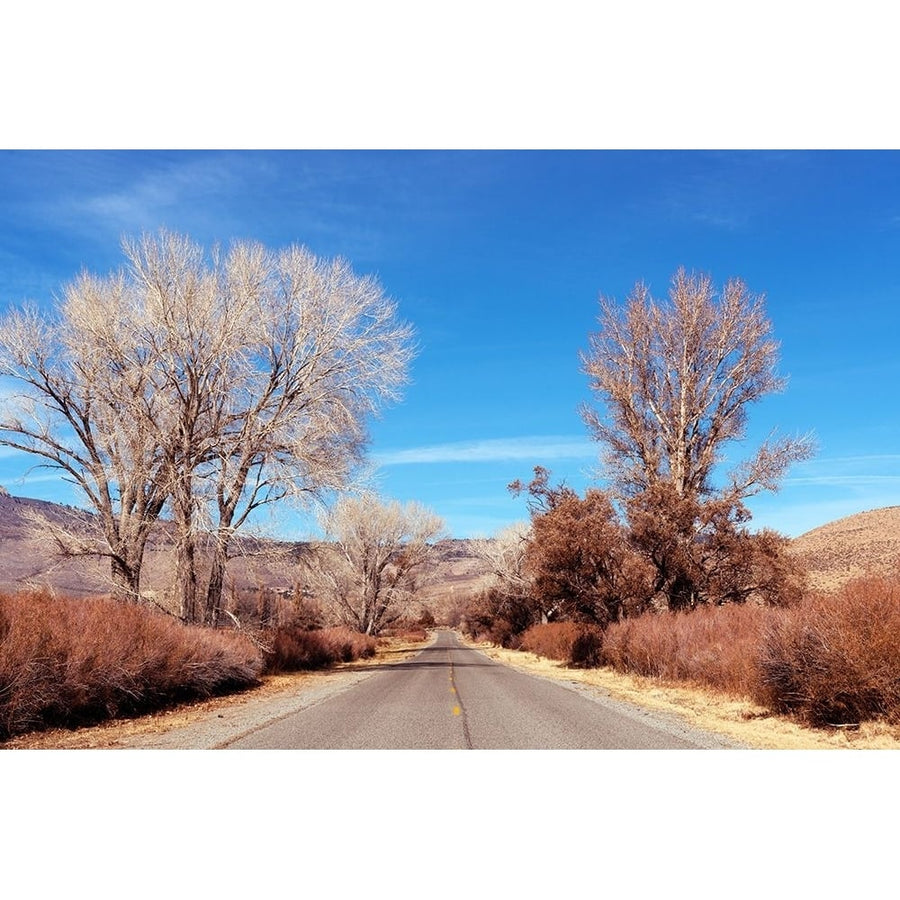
126 579
216 584
185 565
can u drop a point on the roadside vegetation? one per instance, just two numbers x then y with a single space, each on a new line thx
208 385
66 663
658 574
827 661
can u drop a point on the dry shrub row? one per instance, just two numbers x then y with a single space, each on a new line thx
406 632
836 661
571 642
715 646
70 662
829 660
292 648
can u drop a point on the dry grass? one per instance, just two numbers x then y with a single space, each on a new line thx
735 717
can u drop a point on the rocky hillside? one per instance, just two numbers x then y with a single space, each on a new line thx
865 543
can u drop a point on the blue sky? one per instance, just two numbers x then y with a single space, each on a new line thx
497 258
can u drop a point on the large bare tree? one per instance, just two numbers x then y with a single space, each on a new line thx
676 380
214 382
370 570
78 407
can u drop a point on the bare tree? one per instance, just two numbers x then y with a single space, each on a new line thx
83 392
216 383
371 570
330 352
676 380
504 555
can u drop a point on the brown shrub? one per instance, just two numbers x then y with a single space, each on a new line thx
69 662
587 648
575 643
552 640
405 630
349 645
293 649
835 660
499 615
715 646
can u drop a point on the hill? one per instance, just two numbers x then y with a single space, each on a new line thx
29 557
867 542
864 543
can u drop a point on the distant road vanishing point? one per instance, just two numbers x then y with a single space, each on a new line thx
452 697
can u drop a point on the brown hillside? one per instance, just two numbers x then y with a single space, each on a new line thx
29 558
862 544
29 555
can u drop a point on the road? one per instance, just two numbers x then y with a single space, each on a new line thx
453 697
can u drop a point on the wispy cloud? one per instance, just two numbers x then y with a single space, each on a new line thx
864 470
192 188
871 480
492 450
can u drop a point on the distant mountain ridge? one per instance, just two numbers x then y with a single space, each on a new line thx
834 553
27 560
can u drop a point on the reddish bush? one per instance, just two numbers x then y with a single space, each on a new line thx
405 630
499 615
587 648
575 643
349 645
69 662
552 640
293 649
835 660
712 645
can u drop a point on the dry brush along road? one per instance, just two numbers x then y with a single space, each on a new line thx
452 697
442 696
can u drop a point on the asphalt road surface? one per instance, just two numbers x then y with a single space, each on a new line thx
452 697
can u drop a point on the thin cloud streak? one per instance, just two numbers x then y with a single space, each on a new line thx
849 471
844 480
491 450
